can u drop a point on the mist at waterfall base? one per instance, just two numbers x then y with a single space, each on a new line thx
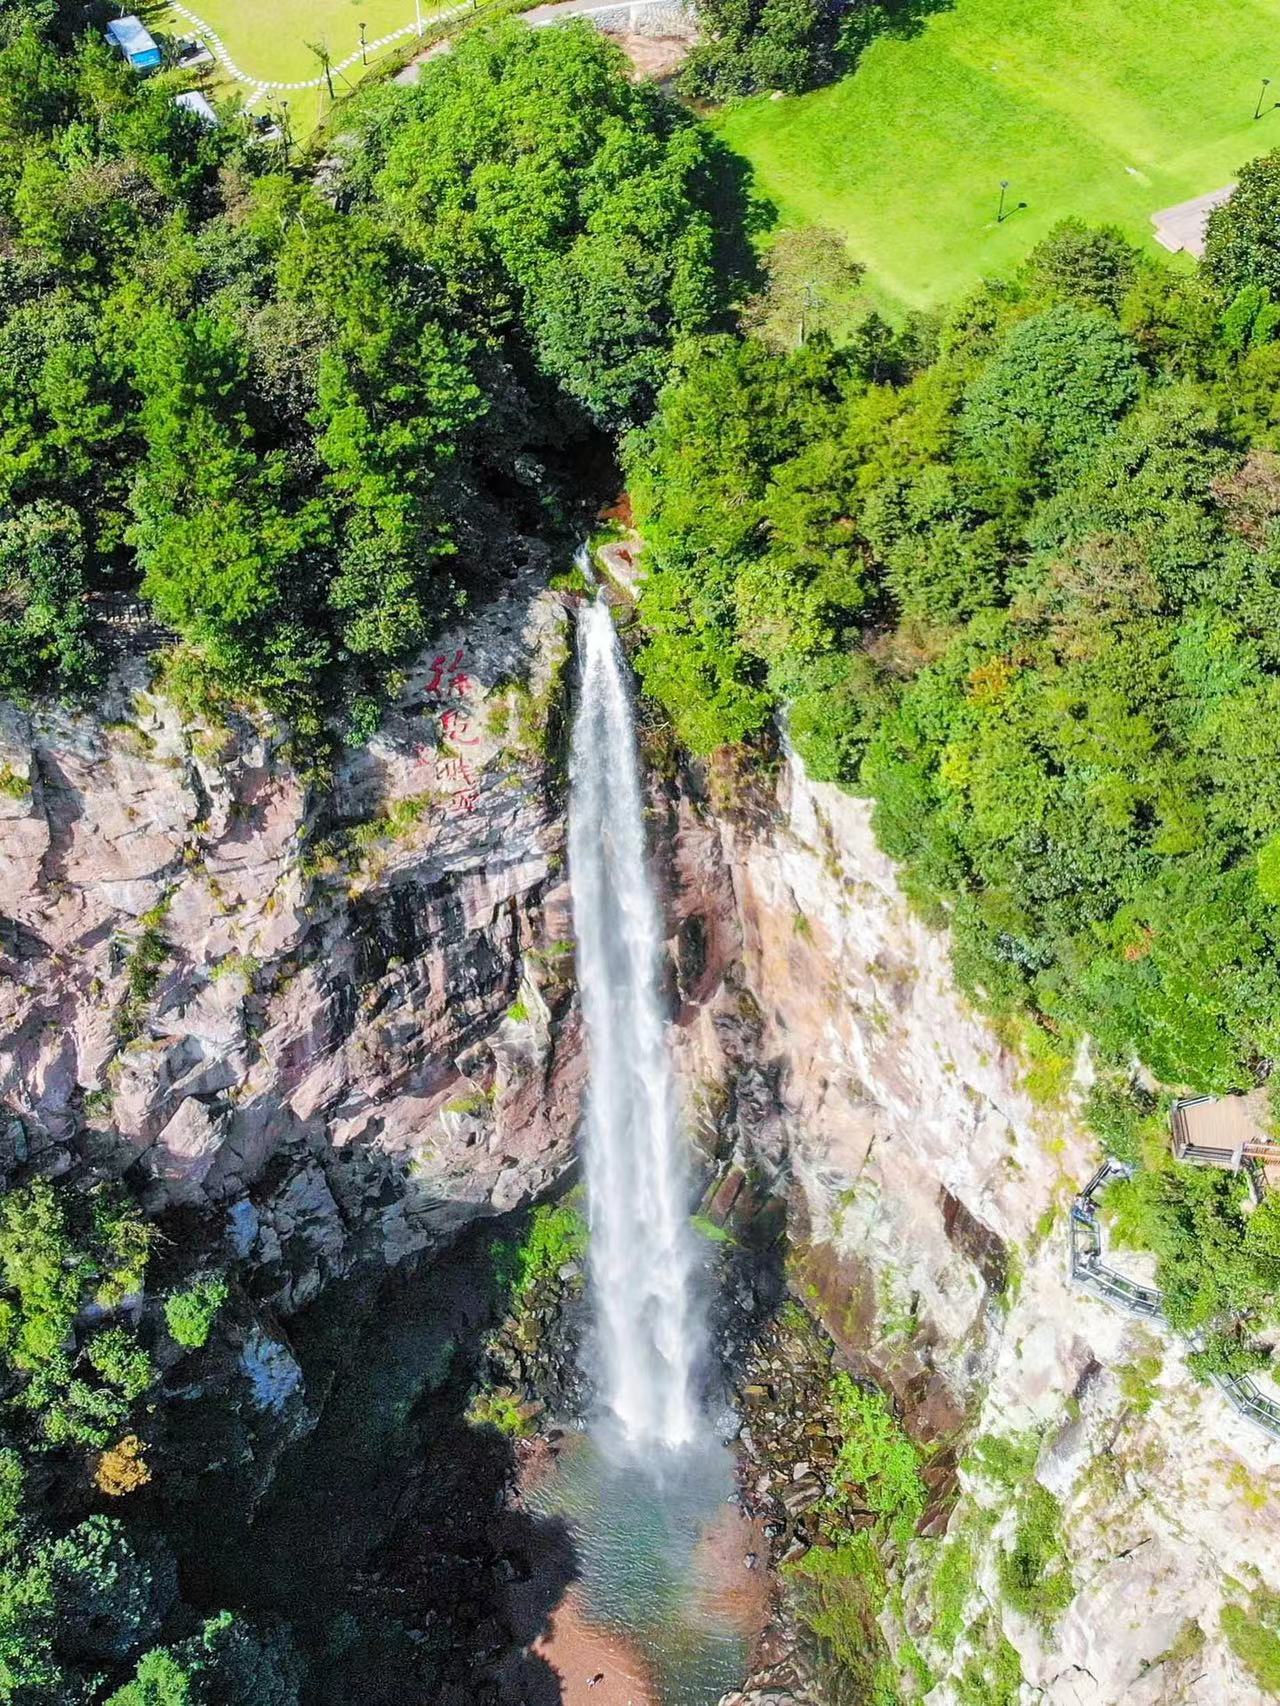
651 1480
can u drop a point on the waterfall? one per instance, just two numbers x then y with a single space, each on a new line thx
641 1254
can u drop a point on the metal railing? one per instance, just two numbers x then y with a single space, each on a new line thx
1090 1273
1088 1269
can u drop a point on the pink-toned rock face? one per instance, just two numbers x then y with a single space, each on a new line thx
218 964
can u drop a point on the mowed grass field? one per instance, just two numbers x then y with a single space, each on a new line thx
268 39
1106 109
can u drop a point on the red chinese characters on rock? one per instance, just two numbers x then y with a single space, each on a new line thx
459 681
453 773
455 726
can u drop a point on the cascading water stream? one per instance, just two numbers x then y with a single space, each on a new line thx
646 1495
642 1261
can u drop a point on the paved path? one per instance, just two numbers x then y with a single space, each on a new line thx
538 17
216 47
552 14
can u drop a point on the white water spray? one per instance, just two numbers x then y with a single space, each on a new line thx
641 1259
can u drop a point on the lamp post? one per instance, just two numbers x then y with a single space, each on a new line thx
1266 84
321 51
364 57
1004 184
284 125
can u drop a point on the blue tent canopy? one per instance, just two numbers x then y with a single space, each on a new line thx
135 42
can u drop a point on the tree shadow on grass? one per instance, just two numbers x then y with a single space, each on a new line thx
740 216
899 20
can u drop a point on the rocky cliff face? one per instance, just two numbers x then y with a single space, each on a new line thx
339 1016
928 1208
325 1008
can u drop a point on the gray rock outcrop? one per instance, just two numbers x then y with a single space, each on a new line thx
326 1004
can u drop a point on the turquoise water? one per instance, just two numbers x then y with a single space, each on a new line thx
639 1527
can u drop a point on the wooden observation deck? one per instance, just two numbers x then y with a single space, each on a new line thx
1224 1131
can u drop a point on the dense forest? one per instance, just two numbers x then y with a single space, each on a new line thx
299 429
1014 575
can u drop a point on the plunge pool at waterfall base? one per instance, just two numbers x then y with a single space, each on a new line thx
665 1603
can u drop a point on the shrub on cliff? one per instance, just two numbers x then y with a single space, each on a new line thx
556 1235
877 1467
1033 1571
190 1312
58 1250
233 1661
1253 1634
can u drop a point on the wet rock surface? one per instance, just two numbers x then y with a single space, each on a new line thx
535 1358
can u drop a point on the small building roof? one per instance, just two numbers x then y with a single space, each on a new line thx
134 40
1224 1131
194 102
1183 226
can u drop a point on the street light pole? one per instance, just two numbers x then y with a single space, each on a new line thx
1004 184
364 57
1266 83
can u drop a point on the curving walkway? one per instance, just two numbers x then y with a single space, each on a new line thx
1091 1274
336 69
677 14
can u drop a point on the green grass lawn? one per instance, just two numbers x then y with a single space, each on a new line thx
268 40
1108 109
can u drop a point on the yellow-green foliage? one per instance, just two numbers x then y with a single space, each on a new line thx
394 824
993 1676
43 1275
557 1233
878 1466
528 718
951 1591
1034 1572
12 1485
1253 1634
244 966
13 785
146 959
60 1249
501 1410
1216 1261
839 1593
357 843
1006 1459
841 1588
189 1314
1035 1576
1138 1379
711 1230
